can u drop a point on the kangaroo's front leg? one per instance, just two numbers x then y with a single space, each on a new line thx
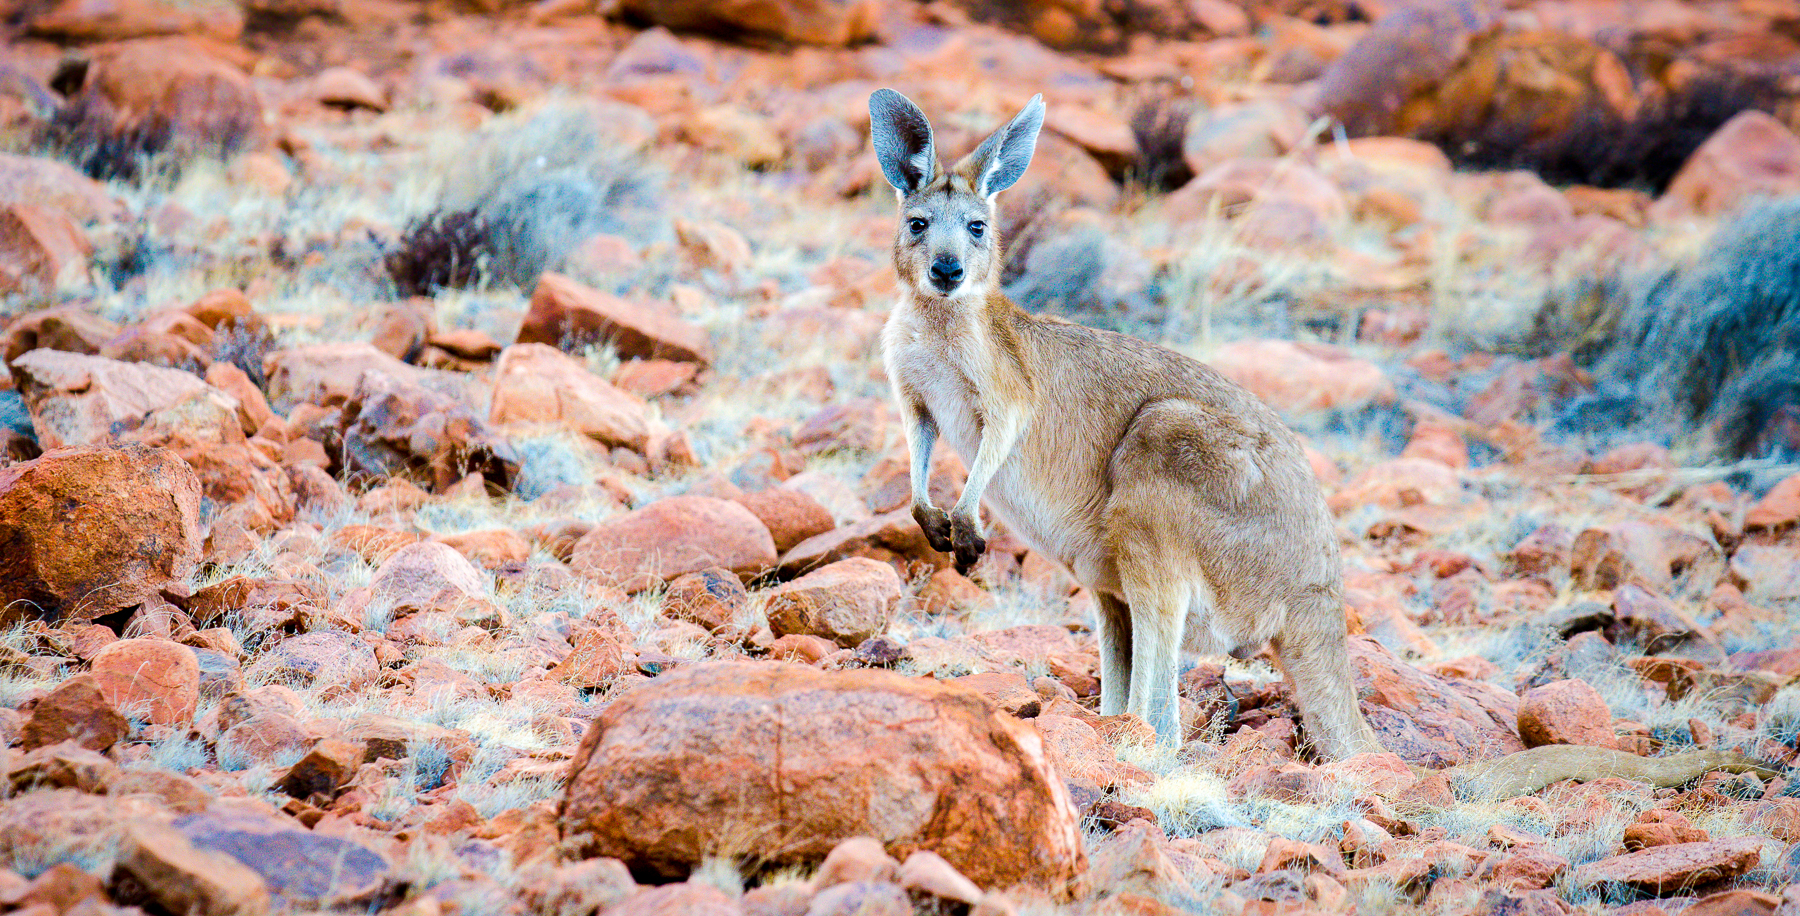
921 436
999 433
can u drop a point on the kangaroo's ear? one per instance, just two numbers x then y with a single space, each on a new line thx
902 140
1000 160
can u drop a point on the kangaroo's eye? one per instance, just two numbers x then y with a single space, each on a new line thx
977 227
916 224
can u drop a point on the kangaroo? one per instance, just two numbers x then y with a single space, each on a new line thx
1175 496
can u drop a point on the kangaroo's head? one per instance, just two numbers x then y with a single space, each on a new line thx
946 245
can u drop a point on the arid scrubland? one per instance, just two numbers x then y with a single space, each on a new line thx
448 470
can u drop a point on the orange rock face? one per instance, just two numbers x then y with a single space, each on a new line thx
87 531
153 678
1565 712
788 761
565 313
671 537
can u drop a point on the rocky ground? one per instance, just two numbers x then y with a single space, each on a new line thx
447 469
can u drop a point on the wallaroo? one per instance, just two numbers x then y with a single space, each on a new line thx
1175 496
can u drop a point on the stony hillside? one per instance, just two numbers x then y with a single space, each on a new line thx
446 468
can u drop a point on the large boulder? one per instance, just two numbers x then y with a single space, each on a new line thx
785 762
673 537
86 532
815 22
149 95
1406 53
1431 721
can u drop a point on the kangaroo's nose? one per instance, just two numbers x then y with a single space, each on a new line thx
946 271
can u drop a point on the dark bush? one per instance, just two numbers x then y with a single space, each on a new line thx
1160 128
438 251
1714 348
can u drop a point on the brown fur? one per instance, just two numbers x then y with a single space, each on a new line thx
1175 496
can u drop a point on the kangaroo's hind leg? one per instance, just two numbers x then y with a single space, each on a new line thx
1158 608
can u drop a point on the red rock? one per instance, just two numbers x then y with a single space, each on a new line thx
926 872
491 548
1408 52
87 400
1661 827
325 374
862 898
1302 377
323 772
653 378
57 185
114 20
428 576
1077 752
1667 869
151 678
302 869
791 761
712 245
75 711
40 248
790 515
392 426
68 328
264 739
950 592
858 425
893 534
67 765
172 874
1399 483
1739 902
676 900
1252 130
566 314
1753 155
1430 721
344 87
710 598
1438 442
164 93
1778 508
1565 712
601 653
78 538
672 537
1527 869
833 23
859 858
847 602
535 383
320 659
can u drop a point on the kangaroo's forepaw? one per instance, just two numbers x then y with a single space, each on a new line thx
965 537
935 523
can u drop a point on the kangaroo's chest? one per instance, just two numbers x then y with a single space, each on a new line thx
1027 493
